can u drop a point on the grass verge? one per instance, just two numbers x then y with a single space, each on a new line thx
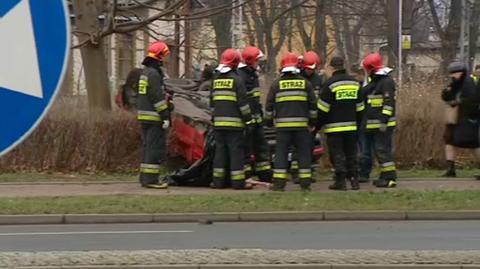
245 202
24 177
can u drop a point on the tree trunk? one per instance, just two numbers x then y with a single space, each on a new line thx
306 38
271 55
452 33
222 25
93 56
391 13
337 25
321 39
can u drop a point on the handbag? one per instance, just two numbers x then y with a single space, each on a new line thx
451 114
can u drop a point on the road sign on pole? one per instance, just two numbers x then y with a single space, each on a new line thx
33 58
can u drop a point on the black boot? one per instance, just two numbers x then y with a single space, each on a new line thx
278 185
354 183
340 184
450 170
305 185
218 184
385 183
363 179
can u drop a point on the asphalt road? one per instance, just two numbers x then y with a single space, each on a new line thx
401 235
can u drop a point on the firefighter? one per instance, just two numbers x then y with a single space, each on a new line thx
258 154
379 117
153 114
309 65
231 112
291 106
340 113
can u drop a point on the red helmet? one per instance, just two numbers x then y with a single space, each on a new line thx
158 50
251 55
289 62
311 60
372 63
231 58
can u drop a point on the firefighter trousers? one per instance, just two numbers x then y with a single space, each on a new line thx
383 151
257 147
229 159
342 148
302 141
154 153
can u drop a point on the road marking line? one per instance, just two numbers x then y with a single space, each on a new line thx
93 232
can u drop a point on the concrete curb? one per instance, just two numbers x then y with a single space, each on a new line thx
269 266
240 217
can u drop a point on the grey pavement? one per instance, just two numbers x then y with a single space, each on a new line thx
379 235
117 188
225 258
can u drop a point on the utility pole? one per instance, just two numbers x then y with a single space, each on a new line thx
400 43
188 40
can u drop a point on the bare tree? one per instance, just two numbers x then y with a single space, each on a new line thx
450 33
222 24
474 27
269 18
97 19
94 61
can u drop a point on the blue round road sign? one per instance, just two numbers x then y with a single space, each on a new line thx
33 57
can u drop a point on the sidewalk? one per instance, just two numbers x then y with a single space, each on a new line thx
243 258
131 188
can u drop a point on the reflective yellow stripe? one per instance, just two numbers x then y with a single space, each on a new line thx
290 99
377 125
150 170
162 108
291 124
341 129
148 118
388 168
224 98
376 102
323 106
229 124
280 175
263 168
218 174
360 107
305 175
387 112
238 177
254 93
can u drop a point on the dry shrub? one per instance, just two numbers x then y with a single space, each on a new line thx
69 139
419 136
418 139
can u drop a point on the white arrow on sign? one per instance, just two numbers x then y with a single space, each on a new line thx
19 69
